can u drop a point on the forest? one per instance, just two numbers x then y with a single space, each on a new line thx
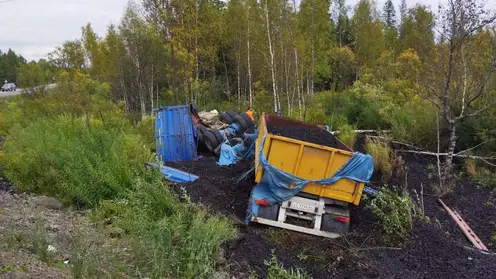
360 67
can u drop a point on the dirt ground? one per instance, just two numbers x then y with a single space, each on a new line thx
436 249
39 238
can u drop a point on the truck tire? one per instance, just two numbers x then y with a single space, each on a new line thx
231 113
270 212
210 141
248 119
241 121
201 131
226 118
218 136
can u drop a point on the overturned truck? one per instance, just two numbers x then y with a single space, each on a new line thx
307 178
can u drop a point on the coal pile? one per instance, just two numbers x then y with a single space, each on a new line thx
308 134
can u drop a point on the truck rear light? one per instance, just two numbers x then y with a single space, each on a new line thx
262 202
342 219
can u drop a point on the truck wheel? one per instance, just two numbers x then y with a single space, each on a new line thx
226 118
270 212
248 119
241 121
218 136
231 113
210 141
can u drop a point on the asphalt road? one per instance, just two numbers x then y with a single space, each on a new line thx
19 91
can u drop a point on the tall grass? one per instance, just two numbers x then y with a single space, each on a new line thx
73 160
168 238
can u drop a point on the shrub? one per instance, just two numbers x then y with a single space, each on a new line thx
395 213
277 271
73 160
168 238
415 122
486 177
146 129
347 135
382 155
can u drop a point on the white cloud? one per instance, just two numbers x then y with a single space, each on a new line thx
35 27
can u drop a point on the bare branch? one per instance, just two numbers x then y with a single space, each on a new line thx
472 148
481 110
447 154
395 142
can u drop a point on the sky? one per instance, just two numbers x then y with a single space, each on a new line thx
33 28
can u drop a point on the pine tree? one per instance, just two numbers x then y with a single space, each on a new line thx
389 14
403 10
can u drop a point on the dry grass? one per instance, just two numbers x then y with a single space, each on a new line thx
471 167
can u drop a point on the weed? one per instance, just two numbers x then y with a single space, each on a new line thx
382 155
395 213
486 177
276 270
40 243
471 167
275 235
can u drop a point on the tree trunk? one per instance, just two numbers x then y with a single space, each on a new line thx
271 53
452 145
248 59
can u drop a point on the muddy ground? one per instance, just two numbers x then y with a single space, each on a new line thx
436 249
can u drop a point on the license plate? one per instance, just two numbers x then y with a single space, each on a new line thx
300 206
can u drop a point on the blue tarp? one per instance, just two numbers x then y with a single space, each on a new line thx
275 185
229 154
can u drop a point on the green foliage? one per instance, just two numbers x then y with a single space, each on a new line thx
395 213
414 123
73 159
382 155
167 237
276 270
347 135
486 177
146 128
9 66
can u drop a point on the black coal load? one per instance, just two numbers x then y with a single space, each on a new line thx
308 134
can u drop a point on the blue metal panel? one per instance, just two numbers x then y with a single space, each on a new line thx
175 133
176 175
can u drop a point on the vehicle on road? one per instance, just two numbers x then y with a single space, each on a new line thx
9 87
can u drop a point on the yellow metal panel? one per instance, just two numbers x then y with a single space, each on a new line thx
283 155
309 168
309 161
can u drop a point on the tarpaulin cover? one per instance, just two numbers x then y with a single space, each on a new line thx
229 154
275 185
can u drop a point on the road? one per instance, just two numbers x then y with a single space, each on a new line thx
19 91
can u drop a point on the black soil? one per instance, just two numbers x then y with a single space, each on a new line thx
436 248
312 135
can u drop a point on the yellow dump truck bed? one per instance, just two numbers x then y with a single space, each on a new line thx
306 160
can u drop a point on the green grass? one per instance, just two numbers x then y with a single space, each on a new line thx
73 160
167 237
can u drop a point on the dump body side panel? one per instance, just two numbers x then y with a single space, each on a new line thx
308 161
174 134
